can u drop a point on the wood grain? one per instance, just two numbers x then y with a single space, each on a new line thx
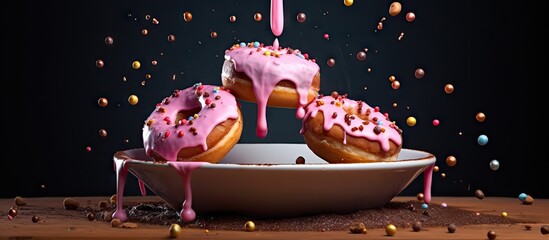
56 222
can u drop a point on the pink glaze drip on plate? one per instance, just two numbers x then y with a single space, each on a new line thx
377 127
266 66
166 135
277 17
185 169
121 174
427 183
142 187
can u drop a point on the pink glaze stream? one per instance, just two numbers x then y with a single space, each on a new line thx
427 183
277 17
185 169
366 122
266 66
166 135
121 173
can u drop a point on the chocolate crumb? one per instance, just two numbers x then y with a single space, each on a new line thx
544 229
357 227
479 194
300 160
452 228
20 201
417 226
115 222
71 204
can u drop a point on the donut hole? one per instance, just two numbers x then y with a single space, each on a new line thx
185 114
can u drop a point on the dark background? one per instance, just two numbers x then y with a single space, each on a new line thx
486 49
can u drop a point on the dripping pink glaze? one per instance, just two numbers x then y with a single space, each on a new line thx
163 118
427 183
328 108
277 17
185 169
121 173
142 187
266 71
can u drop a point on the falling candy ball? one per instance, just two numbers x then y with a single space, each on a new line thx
258 17
109 41
103 102
331 62
410 17
187 16
361 56
133 100
480 117
171 38
232 18
436 122
395 85
99 63
482 140
348 3
424 206
451 161
136 65
448 88
494 165
411 121
419 73
301 17
395 8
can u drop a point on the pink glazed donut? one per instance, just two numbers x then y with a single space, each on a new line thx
341 130
270 76
200 123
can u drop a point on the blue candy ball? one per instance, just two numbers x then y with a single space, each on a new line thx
522 196
482 140
424 206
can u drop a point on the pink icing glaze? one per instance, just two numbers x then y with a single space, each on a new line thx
165 136
427 183
185 169
266 66
353 124
277 17
121 173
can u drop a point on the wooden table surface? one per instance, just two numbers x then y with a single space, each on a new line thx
60 224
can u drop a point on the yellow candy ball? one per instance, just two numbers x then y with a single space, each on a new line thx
249 226
175 230
348 3
136 65
504 214
411 121
133 100
390 230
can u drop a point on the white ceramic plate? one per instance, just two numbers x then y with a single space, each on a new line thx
263 180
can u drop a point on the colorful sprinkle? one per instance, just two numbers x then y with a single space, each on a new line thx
436 122
494 165
522 197
482 140
444 205
424 206
411 121
88 149
326 36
